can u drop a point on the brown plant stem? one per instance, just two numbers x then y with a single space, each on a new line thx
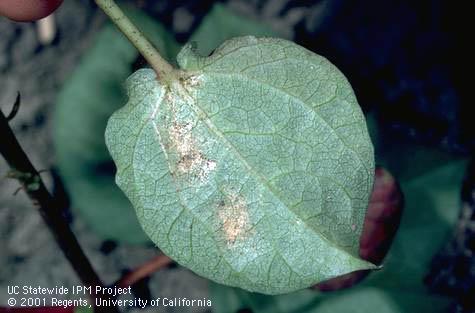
143 271
48 206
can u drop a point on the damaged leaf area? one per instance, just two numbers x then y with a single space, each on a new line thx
234 217
252 168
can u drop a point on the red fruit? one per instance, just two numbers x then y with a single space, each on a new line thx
28 10
380 225
382 217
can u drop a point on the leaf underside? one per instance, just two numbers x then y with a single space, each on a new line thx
253 169
86 100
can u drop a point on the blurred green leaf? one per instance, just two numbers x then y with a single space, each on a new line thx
222 24
230 300
354 300
93 92
83 309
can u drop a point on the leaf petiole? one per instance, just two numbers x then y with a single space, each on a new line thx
163 69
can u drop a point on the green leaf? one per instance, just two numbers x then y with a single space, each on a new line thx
354 300
360 298
231 300
86 101
221 24
83 309
253 168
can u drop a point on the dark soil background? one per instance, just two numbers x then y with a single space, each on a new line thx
408 62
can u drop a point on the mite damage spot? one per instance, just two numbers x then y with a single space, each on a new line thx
190 82
190 159
234 217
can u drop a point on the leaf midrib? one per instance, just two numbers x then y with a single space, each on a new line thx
200 112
